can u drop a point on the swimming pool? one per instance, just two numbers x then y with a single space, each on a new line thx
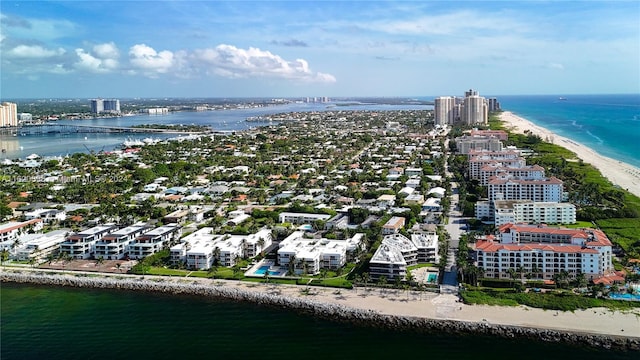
263 269
634 297
432 278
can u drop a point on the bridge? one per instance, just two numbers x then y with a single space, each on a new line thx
52 128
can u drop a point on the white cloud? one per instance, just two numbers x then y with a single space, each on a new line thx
230 61
107 51
145 58
34 51
104 58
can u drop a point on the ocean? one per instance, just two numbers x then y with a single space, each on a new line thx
608 124
42 322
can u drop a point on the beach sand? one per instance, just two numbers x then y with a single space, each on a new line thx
619 173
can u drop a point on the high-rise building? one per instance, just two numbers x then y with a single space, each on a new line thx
494 105
444 109
8 114
99 106
474 110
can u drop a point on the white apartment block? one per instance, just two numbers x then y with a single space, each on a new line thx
48 216
302 218
427 245
542 252
8 114
311 255
543 190
530 212
475 110
154 240
392 258
81 245
115 245
393 225
40 246
445 110
12 230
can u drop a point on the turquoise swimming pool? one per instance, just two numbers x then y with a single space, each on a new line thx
433 278
263 269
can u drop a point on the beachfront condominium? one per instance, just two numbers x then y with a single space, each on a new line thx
540 252
153 241
530 212
101 106
445 110
81 245
542 190
8 114
114 246
474 110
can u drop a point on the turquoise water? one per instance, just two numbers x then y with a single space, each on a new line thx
263 269
52 323
432 278
609 124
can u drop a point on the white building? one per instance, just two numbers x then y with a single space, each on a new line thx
40 246
542 252
466 144
392 257
497 170
544 190
445 110
393 225
8 114
427 245
526 211
301 218
311 255
48 216
81 245
154 240
114 246
12 230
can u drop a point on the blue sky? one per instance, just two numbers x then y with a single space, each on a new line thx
321 48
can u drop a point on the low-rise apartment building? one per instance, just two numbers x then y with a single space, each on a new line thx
81 245
115 245
301 218
530 212
154 240
393 225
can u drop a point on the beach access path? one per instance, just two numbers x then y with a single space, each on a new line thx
423 304
619 173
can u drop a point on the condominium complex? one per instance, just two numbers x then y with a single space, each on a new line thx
498 170
544 190
466 143
396 253
100 106
527 211
8 114
310 255
153 241
540 252
445 110
474 110
81 245
115 245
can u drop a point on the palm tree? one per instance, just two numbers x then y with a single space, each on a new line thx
512 274
366 277
382 282
32 261
260 244
4 255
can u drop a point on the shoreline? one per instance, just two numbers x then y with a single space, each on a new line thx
624 175
392 309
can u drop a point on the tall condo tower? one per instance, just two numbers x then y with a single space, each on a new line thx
99 106
475 109
8 114
445 110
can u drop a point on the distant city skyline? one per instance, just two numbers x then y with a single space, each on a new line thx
156 49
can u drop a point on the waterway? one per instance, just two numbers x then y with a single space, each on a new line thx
220 120
41 322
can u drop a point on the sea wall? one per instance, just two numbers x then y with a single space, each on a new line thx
334 312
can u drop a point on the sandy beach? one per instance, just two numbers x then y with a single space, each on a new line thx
421 304
619 173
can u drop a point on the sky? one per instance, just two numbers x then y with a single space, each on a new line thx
124 49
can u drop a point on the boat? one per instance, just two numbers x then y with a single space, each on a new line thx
562 99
